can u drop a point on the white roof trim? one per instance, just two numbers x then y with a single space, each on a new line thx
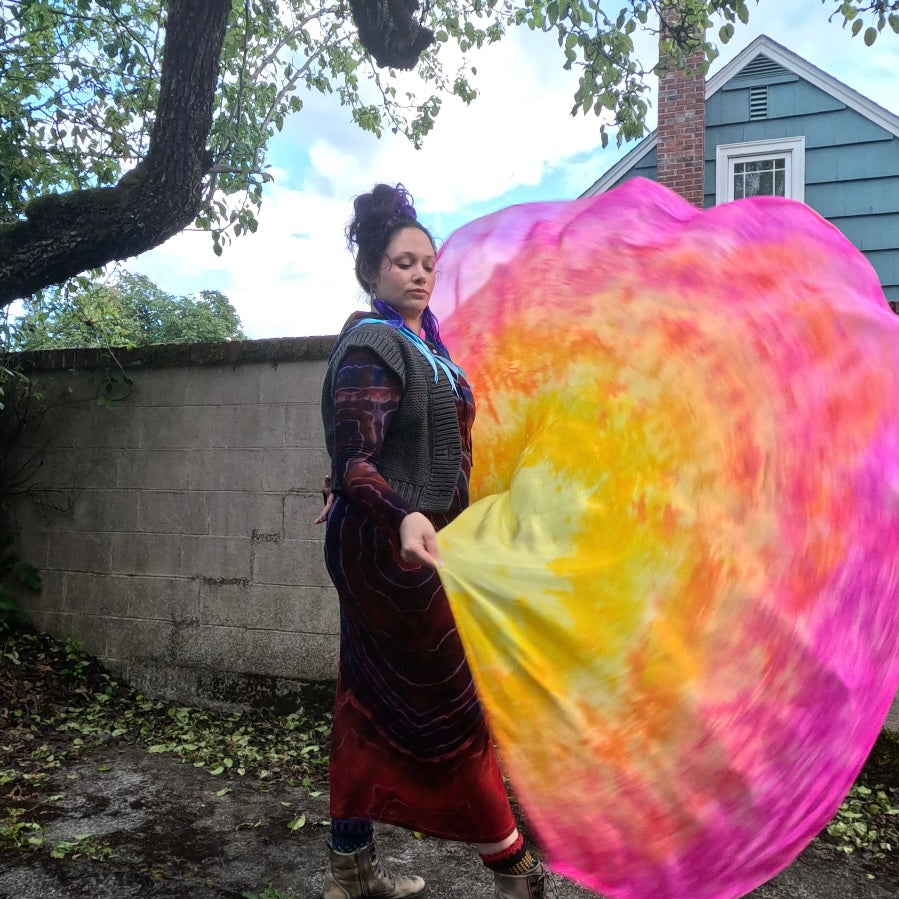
789 60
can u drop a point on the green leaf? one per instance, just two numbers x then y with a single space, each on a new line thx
870 36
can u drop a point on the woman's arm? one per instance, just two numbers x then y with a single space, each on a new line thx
367 395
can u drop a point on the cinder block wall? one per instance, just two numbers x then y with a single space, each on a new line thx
174 528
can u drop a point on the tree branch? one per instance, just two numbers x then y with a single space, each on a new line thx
64 234
293 32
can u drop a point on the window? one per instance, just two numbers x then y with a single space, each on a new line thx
760 177
774 168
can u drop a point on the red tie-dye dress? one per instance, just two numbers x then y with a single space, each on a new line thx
410 746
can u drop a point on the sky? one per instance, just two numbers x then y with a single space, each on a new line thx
516 143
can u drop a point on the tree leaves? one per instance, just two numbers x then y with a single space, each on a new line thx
879 13
867 821
79 86
79 81
78 127
121 309
59 677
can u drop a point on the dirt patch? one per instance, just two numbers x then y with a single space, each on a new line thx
110 795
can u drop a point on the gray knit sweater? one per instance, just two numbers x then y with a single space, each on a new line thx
422 451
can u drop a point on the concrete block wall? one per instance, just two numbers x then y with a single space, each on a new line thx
174 530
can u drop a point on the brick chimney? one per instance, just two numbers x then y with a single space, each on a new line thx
681 129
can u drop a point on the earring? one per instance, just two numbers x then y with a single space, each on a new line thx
371 291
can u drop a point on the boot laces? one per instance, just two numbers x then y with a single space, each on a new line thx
379 870
544 886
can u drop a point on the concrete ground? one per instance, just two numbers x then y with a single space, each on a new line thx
173 837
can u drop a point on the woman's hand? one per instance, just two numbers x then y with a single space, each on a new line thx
328 499
418 540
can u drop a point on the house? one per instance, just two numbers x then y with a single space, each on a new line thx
770 122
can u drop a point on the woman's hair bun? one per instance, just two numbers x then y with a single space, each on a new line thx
377 213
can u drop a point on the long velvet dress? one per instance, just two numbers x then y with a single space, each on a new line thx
410 746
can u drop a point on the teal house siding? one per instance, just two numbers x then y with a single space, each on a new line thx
646 168
850 150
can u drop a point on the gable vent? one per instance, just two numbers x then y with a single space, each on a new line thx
758 102
760 67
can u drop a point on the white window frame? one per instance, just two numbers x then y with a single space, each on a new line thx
791 149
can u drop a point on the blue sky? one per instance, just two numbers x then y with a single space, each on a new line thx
516 143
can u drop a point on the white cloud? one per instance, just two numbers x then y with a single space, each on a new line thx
295 275
517 140
508 137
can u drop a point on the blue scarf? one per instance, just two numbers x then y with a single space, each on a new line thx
437 361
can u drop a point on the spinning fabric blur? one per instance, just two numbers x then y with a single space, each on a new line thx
679 589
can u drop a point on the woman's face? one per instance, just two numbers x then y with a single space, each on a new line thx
407 274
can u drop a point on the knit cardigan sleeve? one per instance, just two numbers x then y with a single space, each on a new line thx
353 338
367 395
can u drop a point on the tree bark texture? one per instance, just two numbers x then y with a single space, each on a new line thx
64 234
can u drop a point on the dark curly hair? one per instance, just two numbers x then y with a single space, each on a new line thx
377 217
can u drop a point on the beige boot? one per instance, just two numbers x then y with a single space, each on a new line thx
353 875
536 885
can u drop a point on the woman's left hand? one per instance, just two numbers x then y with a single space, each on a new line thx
418 540
328 499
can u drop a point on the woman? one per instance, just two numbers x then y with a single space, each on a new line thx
410 746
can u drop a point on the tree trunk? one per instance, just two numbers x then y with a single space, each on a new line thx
64 234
